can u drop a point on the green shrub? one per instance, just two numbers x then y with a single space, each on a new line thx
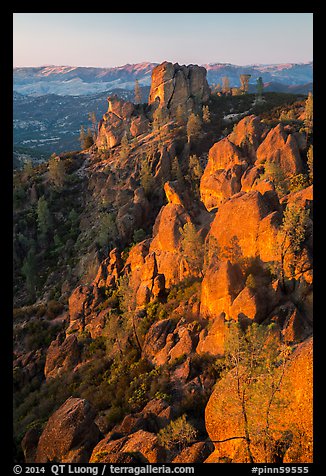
53 309
178 434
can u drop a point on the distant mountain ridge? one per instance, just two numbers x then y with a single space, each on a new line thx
80 80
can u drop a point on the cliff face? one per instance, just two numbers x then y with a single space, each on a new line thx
174 85
174 241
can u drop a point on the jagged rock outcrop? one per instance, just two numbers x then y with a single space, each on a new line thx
122 117
224 419
222 176
247 211
196 453
211 340
142 444
174 85
280 149
109 270
254 304
132 215
167 238
69 435
167 341
221 284
248 134
62 355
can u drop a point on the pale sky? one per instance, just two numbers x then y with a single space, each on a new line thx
114 39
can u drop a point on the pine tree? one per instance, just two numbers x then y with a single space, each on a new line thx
57 172
107 231
308 120
176 171
85 138
256 361
124 152
43 217
180 114
192 248
27 170
147 180
29 270
93 120
193 126
291 238
206 115
310 163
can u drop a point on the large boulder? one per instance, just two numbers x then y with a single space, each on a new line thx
221 284
292 421
167 239
196 453
254 304
222 176
280 149
247 211
142 444
69 435
248 134
121 118
212 338
173 85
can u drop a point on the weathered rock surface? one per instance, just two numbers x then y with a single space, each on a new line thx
142 444
109 270
224 418
29 444
222 176
173 85
221 284
280 149
255 304
69 435
196 453
247 211
211 340
248 134
122 117
166 241
62 355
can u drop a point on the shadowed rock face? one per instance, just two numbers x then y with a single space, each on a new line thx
70 434
174 85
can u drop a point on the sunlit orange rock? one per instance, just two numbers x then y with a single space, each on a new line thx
70 434
280 149
239 219
291 422
248 134
173 85
221 284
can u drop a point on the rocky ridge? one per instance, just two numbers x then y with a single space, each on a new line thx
237 221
